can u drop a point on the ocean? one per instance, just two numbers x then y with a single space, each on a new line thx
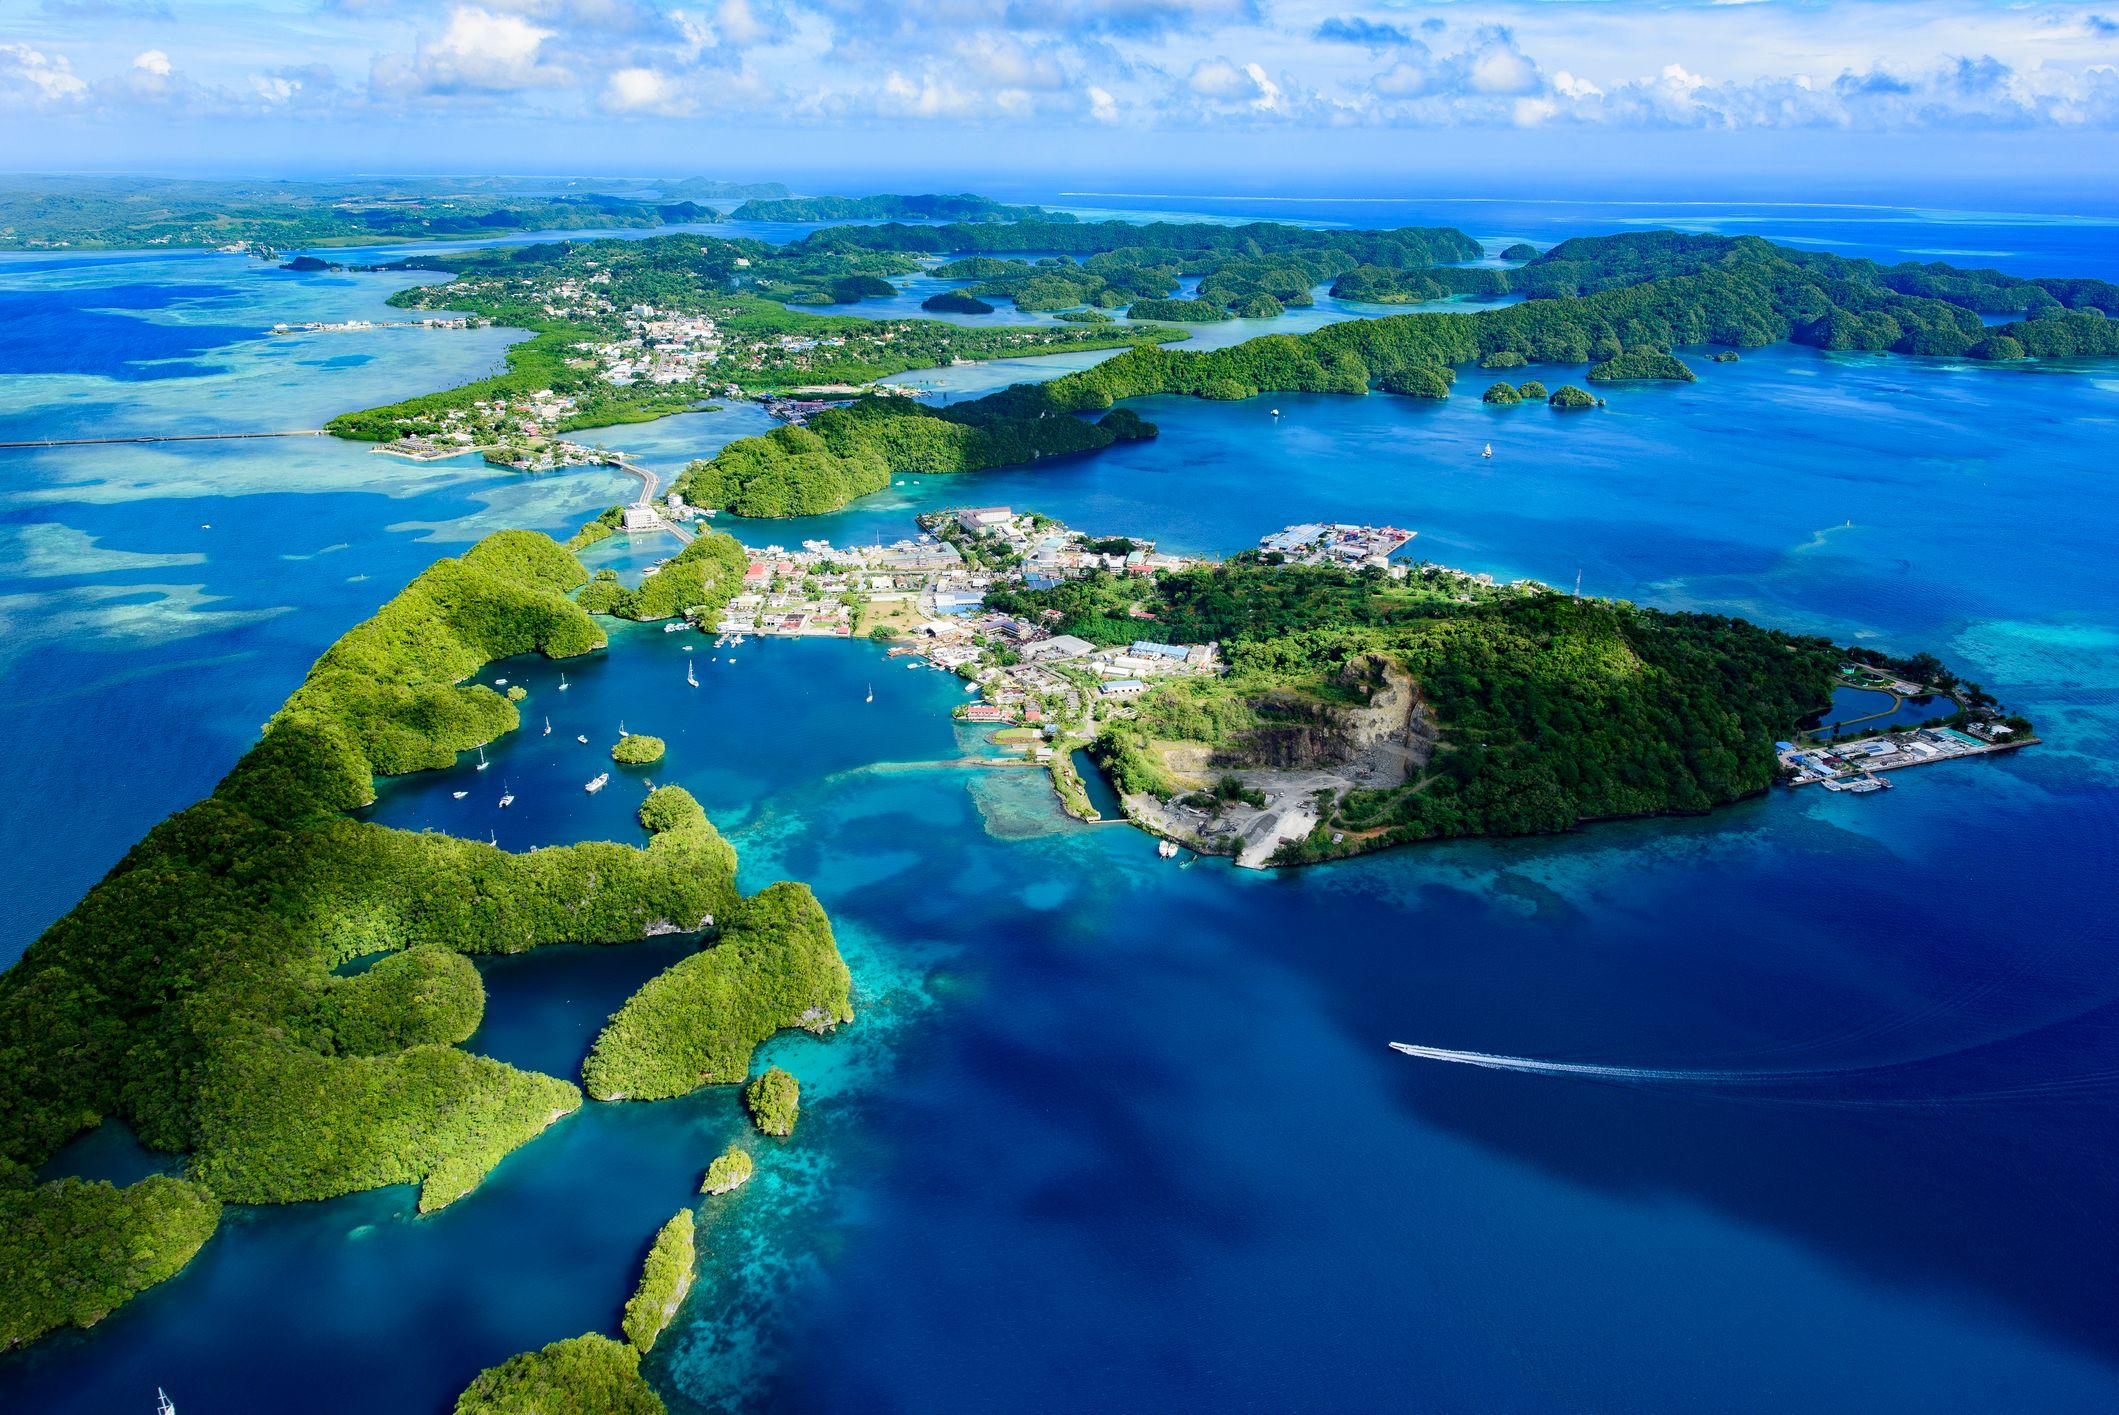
1110 1130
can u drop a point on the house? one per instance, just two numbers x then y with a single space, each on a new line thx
1123 688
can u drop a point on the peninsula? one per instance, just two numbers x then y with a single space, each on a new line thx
194 993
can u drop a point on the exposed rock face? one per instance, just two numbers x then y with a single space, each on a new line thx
1383 743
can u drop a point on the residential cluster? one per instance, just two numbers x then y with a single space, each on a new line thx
1335 543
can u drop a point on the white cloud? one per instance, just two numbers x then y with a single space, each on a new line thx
31 75
480 53
1102 106
153 61
640 90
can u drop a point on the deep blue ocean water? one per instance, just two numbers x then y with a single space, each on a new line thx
1111 1131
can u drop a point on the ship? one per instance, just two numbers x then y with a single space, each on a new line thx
597 783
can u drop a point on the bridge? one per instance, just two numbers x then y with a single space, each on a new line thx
158 437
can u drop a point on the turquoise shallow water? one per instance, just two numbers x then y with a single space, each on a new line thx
1111 1131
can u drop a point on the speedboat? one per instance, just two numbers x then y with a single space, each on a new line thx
582 737
597 783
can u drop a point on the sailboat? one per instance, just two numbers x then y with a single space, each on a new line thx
621 728
1489 450
562 682
492 839
163 1404
871 692
689 676
507 796
548 727
482 762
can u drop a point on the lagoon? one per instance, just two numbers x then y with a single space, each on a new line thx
1089 1088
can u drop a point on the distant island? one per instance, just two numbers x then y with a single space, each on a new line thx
1253 271
1621 304
112 213
628 330
962 206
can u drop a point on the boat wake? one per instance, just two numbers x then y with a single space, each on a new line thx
1493 1061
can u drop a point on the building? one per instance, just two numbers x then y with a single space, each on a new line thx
1123 688
641 518
984 518
1058 646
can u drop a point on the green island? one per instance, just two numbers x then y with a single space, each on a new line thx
637 749
1521 250
192 994
1368 708
1619 303
701 577
1254 271
630 330
847 453
774 1100
698 1022
665 1277
961 206
116 212
730 1171
584 1375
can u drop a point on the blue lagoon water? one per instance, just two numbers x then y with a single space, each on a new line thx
1111 1131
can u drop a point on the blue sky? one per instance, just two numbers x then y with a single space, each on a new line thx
1331 90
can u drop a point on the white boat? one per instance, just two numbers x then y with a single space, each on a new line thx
562 682
482 762
507 798
163 1404
1276 412
597 783
871 692
621 728
677 628
548 727
582 738
459 795
689 676
1489 450
971 687
500 682
1167 849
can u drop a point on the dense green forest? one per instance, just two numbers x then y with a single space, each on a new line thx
584 1375
1551 710
191 993
703 576
1741 292
1254 271
774 1101
103 213
846 453
697 1022
730 1171
665 1276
